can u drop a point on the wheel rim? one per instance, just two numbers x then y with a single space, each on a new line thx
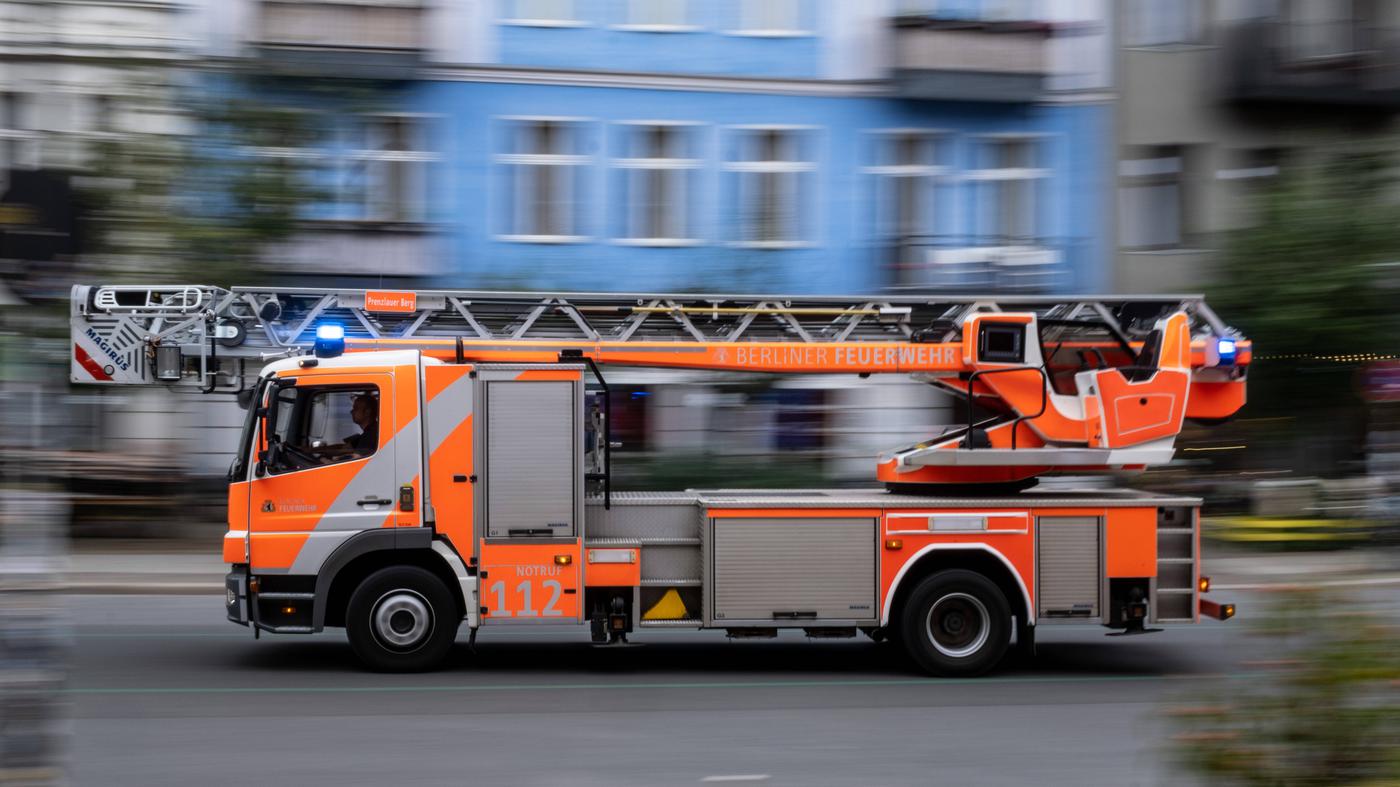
401 620
958 625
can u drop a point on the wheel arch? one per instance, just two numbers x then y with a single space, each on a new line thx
977 557
367 552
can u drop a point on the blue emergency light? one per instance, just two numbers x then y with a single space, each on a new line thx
330 340
1225 349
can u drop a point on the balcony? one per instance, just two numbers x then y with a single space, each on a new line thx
1338 63
960 60
381 39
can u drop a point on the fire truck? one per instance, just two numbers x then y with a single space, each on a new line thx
479 489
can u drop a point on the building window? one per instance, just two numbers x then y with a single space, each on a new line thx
1149 200
542 11
1006 190
1320 29
657 13
291 145
19 144
757 17
1157 23
1258 165
987 10
543 172
657 182
910 174
387 174
773 176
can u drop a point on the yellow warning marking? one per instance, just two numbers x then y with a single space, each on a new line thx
670 607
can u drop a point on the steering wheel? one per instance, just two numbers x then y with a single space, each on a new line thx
300 455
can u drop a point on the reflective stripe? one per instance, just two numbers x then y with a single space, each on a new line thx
447 410
317 548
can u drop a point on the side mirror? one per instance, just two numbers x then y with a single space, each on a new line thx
245 398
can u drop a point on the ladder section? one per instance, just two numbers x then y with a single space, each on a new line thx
214 337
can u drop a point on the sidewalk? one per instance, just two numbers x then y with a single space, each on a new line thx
130 568
140 572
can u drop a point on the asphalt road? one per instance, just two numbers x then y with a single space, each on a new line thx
162 691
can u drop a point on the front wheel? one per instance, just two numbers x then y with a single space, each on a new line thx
401 619
956 623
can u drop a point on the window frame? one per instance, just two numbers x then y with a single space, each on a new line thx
685 23
17 134
938 174
745 25
301 412
805 200
1190 31
684 186
1035 178
366 155
522 20
1148 179
517 166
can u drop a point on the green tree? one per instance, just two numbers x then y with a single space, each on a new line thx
202 202
1312 284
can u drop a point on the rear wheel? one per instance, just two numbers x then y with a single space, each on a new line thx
401 619
956 623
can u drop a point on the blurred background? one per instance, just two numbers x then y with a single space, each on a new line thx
1241 148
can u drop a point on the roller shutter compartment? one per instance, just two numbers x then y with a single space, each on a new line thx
793 571
1068 567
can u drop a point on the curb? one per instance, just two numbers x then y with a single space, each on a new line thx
136 587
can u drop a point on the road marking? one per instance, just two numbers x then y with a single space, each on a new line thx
701 685
738 777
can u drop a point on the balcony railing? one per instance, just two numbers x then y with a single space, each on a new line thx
1335 63
978 264
334 35
943 59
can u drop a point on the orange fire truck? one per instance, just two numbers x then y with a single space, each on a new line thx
478 490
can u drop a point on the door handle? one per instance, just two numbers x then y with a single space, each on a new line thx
371 500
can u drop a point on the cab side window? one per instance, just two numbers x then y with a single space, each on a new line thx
317 425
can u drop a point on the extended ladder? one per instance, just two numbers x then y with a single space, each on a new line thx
215 337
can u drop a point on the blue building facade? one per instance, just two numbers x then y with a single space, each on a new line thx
735 145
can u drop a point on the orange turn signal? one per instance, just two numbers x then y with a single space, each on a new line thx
894 543
1227 612
289 610
563 560
1203 584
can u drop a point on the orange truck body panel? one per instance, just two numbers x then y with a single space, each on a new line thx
1130 543
451 460
528 582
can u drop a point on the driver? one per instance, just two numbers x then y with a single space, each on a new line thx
364 411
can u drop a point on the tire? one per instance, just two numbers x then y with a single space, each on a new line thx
401 619
956 624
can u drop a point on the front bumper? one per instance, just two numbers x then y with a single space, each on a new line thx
236 595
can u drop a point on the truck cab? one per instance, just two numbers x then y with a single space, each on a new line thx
371 464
